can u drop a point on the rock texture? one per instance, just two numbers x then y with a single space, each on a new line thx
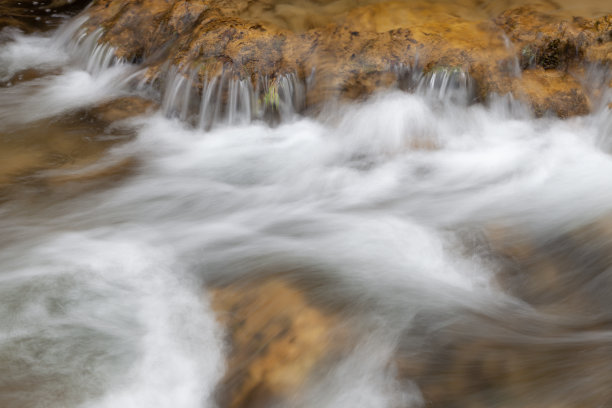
276 338
536 55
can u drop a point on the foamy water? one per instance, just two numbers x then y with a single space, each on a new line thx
384 203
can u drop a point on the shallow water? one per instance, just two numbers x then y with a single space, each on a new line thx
466 246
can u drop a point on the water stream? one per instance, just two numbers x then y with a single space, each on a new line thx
427 221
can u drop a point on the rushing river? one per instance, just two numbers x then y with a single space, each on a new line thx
472 239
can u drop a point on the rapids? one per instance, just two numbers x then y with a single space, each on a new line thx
412 214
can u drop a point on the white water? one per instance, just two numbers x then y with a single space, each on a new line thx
101 295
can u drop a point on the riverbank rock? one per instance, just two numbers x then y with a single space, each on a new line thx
350 51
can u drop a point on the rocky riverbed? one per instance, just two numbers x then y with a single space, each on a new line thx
305 204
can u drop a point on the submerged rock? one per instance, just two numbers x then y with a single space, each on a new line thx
68 147
532 355
276 339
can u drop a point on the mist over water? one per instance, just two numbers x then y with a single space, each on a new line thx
410 215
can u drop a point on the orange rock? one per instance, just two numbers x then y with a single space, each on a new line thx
276 339
553 43
353 47
549 91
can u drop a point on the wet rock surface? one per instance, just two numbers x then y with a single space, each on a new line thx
529 51
68 148
276 338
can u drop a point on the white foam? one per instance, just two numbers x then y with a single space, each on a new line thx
43 52
110 317
49 96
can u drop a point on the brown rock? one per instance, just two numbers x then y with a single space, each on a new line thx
548 91
353 52
66 148
120 109
555 43
276 339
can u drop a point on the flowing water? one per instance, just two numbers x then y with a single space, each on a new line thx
466 246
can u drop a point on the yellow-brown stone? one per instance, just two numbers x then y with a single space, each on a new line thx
351 48
276 339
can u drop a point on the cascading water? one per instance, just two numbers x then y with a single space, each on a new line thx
90 73
227 100
387 210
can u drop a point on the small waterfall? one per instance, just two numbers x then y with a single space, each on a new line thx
71 45
292 94
84 72
88 52
595 81
513 65
231 100
451 83
442 82
70 31
82 47
176 98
